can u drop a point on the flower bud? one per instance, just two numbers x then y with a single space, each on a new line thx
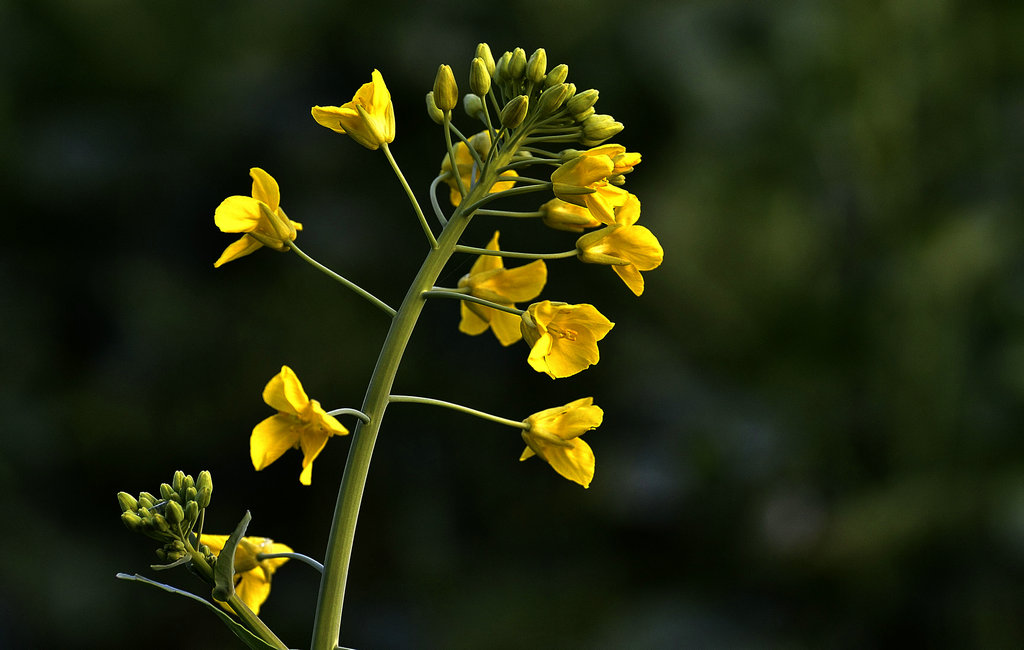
517 64
558 75
501 73
187 483
551 99
166 491
132 521
190 494
127 502
537 65
581 101
598 128
435 113
205 480
178 482
583 115
561 215
175 513
446 91
191 513
473 105
479 77
515 112
146 499
483 52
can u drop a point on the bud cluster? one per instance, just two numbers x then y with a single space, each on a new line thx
171 517
525 94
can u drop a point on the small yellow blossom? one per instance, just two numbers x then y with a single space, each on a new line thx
627 247
259 216
464 162
490 280
252 575
299 423
567 216
554 436
591 169
563 338
369 118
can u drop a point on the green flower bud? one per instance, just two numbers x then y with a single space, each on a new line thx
537 65
191 513
598 128
517 64
190 494
159 522
175 513
166 491
618 179
500 73
147 499
551 99
178 482
144 512
435 113
205 481
558 75
446 91
473 105
188 483
479 77
582 116
132 521
127 502
515 112
483 52
582 101
203 497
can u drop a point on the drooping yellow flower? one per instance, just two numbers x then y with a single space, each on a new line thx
369 118
554 436
561 215
252 575
464 162
592 169
627 247
563 338
299 423
490 280
259 216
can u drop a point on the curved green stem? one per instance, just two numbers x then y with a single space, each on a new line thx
484 200
346 411
510 213
433 199
412 197
412 399
377 302
292 556
529 256
451 153
442 293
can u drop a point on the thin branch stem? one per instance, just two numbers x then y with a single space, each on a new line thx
529 256
505 193
413 399
292 556
347 411
412 197
442 293
433 200
510 213
451 153
377 302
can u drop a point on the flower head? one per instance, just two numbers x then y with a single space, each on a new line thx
300 423
553 434
560 215
369 118
627 247
490 280
259 216
465 164
252 575
563 338
592 170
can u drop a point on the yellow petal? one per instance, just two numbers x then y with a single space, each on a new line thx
328 116
506 327
215 542
471 323
238 248
631 276
271 438
575 463
253 587
265 188
312 443
284 392
328 423
515 285
237 214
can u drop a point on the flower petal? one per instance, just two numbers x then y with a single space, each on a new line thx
284 392
312 443
328 116
271 438
253 588
471 323
515 285
237 214
238 248
265 188
506 327
575 463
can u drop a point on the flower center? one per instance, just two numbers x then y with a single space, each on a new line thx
560 333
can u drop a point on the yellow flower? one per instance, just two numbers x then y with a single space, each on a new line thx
591 169
464 162
490 280
299 423
554 436
252 575
567 216
369 118
259 216
627 247
563 338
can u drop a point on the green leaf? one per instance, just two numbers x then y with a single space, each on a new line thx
247 637
224 571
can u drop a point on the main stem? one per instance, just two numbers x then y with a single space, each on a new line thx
327 625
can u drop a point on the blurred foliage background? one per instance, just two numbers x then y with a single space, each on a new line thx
812 433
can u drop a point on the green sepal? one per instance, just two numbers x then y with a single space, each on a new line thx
247 637
224 571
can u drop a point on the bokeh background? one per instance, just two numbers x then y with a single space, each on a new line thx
812 433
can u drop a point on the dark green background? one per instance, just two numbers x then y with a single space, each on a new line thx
812 433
